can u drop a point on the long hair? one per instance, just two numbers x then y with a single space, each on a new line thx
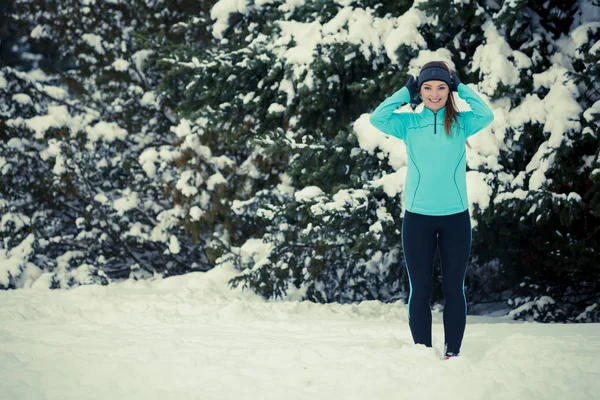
451 113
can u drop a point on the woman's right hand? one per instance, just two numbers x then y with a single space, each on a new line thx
413 88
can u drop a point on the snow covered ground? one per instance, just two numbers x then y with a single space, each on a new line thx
190 337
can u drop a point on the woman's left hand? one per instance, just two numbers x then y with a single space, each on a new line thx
454 82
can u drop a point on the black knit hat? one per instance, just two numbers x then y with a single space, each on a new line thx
434 74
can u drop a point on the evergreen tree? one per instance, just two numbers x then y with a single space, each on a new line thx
225 96
156 138
520 158
332 234
540 218
77 202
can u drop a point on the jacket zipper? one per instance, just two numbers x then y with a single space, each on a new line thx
435 123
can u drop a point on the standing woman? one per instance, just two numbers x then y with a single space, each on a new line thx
435 195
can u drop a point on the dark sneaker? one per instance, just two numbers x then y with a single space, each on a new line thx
450 354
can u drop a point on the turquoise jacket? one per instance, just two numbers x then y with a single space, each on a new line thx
436 181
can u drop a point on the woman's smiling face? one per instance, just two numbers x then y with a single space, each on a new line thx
434 94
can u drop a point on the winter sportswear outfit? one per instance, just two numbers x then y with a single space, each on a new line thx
436 176
435 202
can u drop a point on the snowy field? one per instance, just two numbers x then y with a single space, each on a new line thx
190 337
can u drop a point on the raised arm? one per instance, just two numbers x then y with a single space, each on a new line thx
384 118
480 116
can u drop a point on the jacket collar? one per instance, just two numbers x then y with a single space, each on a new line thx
428 113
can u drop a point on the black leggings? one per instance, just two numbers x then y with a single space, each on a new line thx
421 236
